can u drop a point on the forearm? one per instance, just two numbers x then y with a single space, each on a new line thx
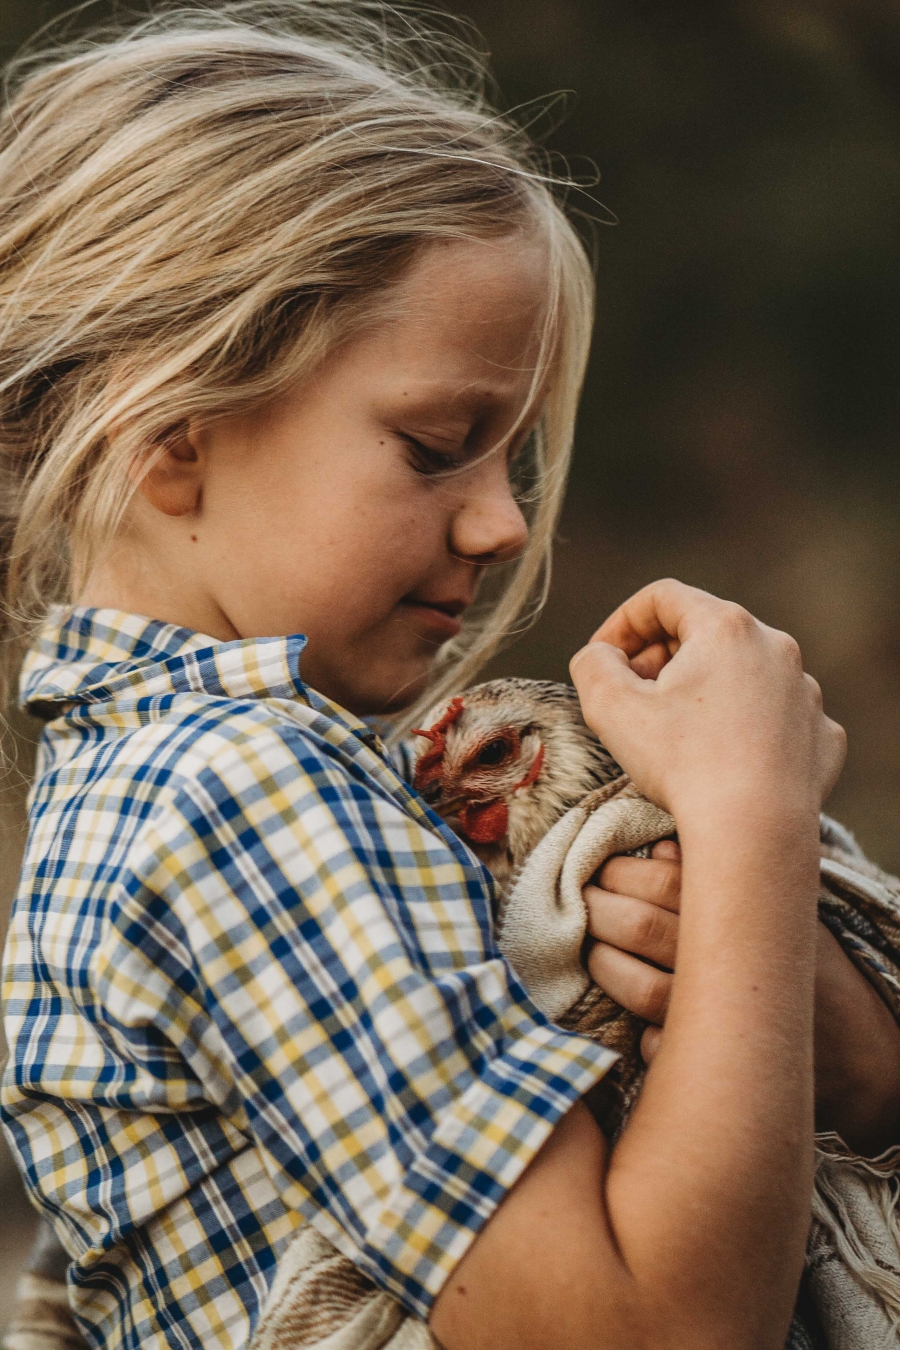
709 1188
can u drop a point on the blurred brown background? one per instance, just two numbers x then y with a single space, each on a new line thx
742 414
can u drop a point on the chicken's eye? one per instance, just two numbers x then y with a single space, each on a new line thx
494 753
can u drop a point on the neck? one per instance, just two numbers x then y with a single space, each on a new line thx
139 582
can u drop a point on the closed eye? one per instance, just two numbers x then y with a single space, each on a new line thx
427 460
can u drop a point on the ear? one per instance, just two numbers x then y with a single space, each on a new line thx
174 484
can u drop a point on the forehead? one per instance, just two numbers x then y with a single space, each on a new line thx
468 315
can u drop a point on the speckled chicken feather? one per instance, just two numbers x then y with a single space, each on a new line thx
532 714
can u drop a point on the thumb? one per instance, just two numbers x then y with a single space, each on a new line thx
602 664
602 676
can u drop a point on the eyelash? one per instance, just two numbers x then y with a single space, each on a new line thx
428 461
431 463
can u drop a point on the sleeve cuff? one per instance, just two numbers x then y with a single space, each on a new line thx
477 1152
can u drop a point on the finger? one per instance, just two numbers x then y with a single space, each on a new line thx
640 988
835 752
607 687
663 611
656 880
632 925
651 660
669 849
650 1043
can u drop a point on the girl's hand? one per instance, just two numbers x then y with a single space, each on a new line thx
706 708
633 917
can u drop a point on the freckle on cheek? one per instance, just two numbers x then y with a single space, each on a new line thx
193 539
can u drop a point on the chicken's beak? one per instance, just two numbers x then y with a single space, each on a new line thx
448 803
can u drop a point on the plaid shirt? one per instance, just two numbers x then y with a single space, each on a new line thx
250 983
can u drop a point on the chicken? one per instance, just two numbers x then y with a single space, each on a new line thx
502 762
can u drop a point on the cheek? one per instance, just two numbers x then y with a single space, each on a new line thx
327 530
325 542
369 559
339 578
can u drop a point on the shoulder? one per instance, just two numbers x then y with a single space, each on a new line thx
279 777
175 811
277 820
242 747
255 771
277 750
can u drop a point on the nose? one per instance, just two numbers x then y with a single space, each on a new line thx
488 526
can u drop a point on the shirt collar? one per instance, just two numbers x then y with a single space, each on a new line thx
83 655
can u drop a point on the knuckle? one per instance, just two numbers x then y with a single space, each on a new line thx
836 743
735 621
668 890
640 988
663 940
838 734
643 929
583 675
791 648
814 689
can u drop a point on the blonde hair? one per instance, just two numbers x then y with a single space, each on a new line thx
194 211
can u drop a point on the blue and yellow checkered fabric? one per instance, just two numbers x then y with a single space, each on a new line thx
250 983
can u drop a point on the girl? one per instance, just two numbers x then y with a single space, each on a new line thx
292 333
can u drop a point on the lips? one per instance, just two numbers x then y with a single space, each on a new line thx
436 617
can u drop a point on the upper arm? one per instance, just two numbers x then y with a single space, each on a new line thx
545 1270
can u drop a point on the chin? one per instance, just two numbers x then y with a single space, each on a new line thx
369 680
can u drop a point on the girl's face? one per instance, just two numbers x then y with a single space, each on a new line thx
326 513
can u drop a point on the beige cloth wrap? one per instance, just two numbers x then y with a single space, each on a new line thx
543 922
321 1301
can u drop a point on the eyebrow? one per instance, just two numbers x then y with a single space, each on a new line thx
464 400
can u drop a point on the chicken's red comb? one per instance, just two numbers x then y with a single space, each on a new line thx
428 768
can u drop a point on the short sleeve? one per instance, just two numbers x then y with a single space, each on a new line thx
321 961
